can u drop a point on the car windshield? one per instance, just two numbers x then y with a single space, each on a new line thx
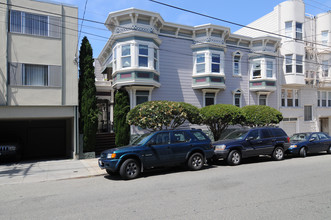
299 137
141 139
239 134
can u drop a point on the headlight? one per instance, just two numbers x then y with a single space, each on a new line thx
220 147
293 146
111 155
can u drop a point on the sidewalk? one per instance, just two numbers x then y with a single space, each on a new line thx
41 171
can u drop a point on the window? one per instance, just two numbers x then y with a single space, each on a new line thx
141 97
35 75
325 36
308 113
237 98
200 63
115 60
322 136
270 68
329 99
180 136
199 135
288 29
325 68
209 99
27 23
288 63
298 31
143 55
323 99
215 63
160 138
262 99
256 69
155 59
290 98
126 56
236 64
299 64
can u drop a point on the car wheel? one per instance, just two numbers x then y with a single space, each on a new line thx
130 169
234 158
303 152
110 172
195 162
329 150
278 153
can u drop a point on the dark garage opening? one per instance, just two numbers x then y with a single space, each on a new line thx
40 139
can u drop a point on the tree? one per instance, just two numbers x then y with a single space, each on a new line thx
121 109
219 117
87 96
157 115
261 115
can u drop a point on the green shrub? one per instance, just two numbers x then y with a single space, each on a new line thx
261 115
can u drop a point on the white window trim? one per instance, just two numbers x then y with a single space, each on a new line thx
234 93
312 113
204 91
132 93
293 98
263 93
239 63
208 62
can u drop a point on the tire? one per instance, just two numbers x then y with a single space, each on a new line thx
329 150
130 169
234 158
110 172
303 152
195 162
278 153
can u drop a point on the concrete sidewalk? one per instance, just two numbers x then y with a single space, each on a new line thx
41 171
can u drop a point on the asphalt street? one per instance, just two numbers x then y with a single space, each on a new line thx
295 188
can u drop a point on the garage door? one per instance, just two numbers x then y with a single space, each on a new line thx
41 139
289 127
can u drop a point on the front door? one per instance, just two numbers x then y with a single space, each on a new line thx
324 122
160 150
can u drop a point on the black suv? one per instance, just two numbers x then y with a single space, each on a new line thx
159 149
252 142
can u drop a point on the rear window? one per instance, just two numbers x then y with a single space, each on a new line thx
277 132
199 135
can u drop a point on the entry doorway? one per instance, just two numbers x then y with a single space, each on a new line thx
324 125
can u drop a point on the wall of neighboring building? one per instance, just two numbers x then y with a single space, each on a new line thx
3 52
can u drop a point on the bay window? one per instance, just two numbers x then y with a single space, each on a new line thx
155 59
288 63
299 67
200 63
298 31
288 29
256 69
143 56
126 56
325 37
325 68
215 63
270 68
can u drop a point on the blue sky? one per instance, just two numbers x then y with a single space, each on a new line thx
242 12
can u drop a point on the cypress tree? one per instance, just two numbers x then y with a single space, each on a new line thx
121 109
87 96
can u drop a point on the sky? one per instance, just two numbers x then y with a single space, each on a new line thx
242 12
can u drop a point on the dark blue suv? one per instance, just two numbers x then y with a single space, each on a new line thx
158 149
252 142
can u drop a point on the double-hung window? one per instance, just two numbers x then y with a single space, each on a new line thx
236 64
308 113
143 55
141 97
126 56
288 63
35 75
298 31
288 29
323 99
299 67
215 63
237 98
263 99
290 98
200 63
256 69
325 36
270 68
209 99
325 68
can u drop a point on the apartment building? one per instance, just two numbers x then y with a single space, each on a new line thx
39 77
305 93
202 65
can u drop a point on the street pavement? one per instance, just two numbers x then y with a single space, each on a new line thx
50 170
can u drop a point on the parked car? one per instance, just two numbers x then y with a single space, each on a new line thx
309 142
252 142
158 149
10 147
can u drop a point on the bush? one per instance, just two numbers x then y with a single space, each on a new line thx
158 115
121 127
261 115
219 117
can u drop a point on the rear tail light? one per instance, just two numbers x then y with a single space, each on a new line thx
288 139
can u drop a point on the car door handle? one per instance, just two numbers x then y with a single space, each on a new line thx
259 142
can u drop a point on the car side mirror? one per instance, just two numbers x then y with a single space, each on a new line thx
312 139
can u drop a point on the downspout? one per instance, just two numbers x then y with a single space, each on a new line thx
7 45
